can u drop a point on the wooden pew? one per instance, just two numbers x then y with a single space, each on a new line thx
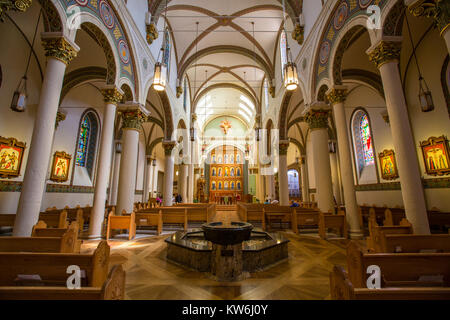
63 243
125 221
397 269
332 221
280 214
40 230
410 243
7 220
375 231
341 288
55 219
150 220
112 289
304 218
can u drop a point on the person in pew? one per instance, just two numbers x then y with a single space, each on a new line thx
275 201
178 198
294 204
267 201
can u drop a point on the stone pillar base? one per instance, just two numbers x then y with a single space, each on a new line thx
227 263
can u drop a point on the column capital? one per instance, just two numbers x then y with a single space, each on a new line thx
337 94
152 33
193 117
283 147
386 50
168 147
60 116
112 94
133 115
317 116
59 47
299 33
438 10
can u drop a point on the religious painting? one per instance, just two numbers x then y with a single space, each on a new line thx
231 159
226 172
219 174
232 186
239 186
214 159
213 185
238 159
219 159
238 172
225 185
435 156
388 165
214 172
60 166
232 172
220 185
11 155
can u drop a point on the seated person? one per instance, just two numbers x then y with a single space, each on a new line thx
275 201
294 204
267 201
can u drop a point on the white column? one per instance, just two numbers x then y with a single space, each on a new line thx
335 178
305 182
168 172
131 124
152 190
112 96
317 119
148 178
337 97
59 52
282 173
386 54
182 182
116 171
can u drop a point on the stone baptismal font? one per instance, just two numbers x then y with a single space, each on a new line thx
228 252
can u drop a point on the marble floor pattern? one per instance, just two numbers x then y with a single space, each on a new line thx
303 276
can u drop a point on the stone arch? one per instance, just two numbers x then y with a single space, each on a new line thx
127 93
153 144
52 17
392 20
100 37
322 93
79 76
282 122
168 118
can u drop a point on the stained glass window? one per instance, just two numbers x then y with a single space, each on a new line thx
83 140
166 56
283 50
366 140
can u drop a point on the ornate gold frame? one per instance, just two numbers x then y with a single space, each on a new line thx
12 142
388 153
434 141
64 155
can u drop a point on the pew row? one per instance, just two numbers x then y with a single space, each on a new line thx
342 289
67 242
123 222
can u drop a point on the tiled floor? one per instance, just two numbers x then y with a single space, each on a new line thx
305 275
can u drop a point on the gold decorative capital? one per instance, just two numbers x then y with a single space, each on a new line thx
438 10
272 91
168 147
152 33
283 147
384 52
299 34
59 48
59 117
112 95
317 118
336 96
179 91
133 119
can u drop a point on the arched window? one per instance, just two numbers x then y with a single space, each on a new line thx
294 187
87 142
363 147
283 51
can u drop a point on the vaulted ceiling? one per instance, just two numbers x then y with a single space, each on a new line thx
225 48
